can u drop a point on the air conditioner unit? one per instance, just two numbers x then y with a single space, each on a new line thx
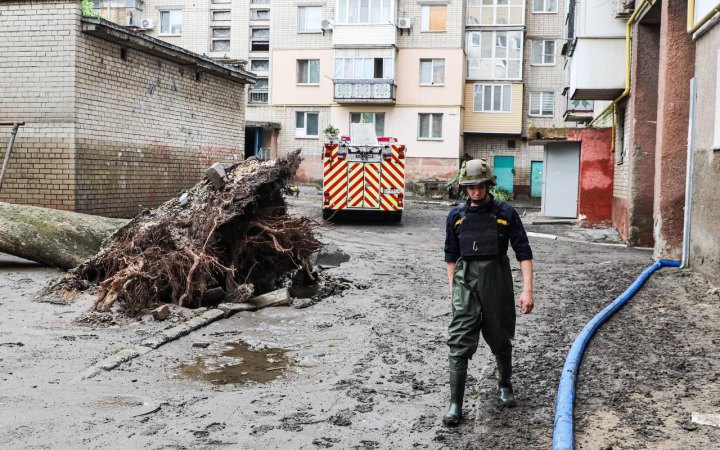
404 23
326 25
147 24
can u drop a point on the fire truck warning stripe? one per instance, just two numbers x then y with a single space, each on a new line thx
393 178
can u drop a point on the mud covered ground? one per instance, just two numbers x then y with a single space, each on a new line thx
367 368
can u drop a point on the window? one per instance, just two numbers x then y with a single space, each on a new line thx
542 103
220 2
306 124
220 41
308 71
543 53
500 55
309 19
433 18
363 68
259 14
432 71
259 65
259 2
377 118
364 11
492 98
259 39
495 12
171 22
259 90
544 6
219 16
430 126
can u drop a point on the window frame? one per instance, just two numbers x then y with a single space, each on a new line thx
425 18
431 119
495 7
505 87
213 12
367 61
303 29
170 13
254 11
545 3
252 60
374 122
533 53
254 39
495 58
385 14
308 72
542 99
214 39
304 134
432 62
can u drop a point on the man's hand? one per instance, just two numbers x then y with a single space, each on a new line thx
526 298
526 302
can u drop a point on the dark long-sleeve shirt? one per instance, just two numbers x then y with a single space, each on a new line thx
513 233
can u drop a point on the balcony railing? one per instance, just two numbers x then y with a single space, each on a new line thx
258 96
364 91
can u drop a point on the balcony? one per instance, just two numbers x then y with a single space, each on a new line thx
597 69
377 91
259 96
364 35
579 110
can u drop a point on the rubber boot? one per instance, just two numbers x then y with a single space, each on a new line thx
506 396
453 416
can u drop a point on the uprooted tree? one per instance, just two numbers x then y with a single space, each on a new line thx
236 238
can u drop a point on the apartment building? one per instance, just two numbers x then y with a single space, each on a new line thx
514 84
396 64
445 78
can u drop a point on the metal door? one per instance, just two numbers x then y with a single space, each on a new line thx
504 168
536 179
562 174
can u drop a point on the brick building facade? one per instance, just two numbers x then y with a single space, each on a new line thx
115 120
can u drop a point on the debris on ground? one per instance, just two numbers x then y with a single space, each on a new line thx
232 239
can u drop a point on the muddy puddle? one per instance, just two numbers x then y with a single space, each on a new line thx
238 364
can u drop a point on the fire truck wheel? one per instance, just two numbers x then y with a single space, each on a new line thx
396 216
327 214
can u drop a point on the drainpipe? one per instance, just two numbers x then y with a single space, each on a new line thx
692 27
628 60
688 176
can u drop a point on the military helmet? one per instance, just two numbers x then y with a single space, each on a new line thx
476 171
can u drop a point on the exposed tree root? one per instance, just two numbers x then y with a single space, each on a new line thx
238 238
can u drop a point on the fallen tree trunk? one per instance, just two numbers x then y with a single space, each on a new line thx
52 237
230 234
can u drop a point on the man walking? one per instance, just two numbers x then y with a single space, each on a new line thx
478 234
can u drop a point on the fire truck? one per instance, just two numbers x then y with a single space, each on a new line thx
363 173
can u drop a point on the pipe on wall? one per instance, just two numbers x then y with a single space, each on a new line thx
692 27
628 60
689 176
564 433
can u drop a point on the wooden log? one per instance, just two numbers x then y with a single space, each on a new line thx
55 238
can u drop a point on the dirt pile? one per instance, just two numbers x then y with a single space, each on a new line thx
227 238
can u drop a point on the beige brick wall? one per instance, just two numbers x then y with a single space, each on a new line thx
146 128
106 135
545 78
482 146
37 77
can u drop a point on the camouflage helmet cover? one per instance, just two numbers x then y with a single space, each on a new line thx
476 171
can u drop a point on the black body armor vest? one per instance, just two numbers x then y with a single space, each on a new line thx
479 232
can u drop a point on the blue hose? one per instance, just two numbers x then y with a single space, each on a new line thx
564 434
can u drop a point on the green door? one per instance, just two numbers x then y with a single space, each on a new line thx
505 172
536 177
